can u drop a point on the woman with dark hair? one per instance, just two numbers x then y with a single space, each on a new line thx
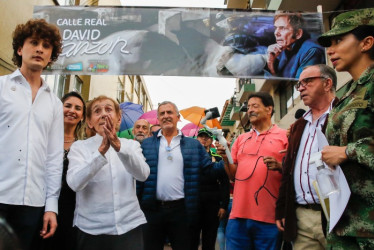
350 126
74 117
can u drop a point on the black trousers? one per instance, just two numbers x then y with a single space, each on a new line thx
24 220
132 240
208 226
167 221
65 230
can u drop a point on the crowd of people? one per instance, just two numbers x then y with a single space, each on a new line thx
68 181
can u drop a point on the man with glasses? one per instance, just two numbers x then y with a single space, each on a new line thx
257 174
298 209
170 196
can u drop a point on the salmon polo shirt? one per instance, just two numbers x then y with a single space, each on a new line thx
254 180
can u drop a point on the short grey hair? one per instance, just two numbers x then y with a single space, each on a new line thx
168 102
327 72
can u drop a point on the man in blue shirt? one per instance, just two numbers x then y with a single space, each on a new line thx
294 49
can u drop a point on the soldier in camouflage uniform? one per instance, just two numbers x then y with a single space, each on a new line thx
350 128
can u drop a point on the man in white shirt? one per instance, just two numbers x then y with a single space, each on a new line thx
31 139
298 209
170 196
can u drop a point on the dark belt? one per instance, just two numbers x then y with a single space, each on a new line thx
314 206
169 204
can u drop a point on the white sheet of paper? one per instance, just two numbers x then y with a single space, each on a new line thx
339 200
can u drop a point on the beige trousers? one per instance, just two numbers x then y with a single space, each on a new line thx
309 230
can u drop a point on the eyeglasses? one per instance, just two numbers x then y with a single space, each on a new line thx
251 147
307 80
169 157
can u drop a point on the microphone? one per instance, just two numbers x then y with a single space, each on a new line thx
299 113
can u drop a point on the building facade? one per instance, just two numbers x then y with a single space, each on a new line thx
122 88
286 97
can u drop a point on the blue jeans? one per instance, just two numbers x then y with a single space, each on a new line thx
222 228
251 234
221 234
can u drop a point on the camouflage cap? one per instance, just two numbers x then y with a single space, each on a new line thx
347 22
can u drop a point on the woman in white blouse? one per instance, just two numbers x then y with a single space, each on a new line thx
102 171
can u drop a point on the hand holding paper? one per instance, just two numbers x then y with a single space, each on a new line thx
339 200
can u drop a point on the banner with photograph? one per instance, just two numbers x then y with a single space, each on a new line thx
184 41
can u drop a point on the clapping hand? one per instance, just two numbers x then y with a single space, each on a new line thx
109 137
110 132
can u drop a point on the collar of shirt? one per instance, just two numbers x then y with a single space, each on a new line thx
273 130
309 117
159 134
18 75
266 131
366 75
175 142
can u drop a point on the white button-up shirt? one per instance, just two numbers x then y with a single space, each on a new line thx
305 174
170 176
31 144
106 201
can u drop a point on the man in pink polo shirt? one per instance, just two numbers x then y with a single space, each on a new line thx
257 174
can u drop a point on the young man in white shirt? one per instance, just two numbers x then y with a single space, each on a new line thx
31 141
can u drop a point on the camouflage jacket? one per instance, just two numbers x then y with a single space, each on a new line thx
351 124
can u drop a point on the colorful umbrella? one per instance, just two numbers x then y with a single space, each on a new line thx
190 129
130 113
151 117
126 134
195 114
